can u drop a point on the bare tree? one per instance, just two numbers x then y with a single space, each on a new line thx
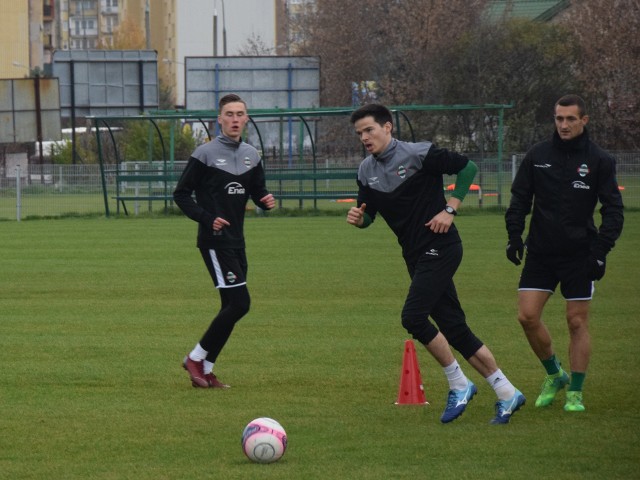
389 42
608 32
508 61
436 52
255 46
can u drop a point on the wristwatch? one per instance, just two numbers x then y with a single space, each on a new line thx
450 210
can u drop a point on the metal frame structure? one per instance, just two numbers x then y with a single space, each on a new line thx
301 114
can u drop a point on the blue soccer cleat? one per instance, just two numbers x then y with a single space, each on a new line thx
457 402
506 408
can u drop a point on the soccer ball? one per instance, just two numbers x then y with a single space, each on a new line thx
264 440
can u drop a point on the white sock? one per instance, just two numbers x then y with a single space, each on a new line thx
207 366
501 384
457 379
198 353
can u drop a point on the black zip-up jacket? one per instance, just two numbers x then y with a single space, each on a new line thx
405 185
224 174
565 180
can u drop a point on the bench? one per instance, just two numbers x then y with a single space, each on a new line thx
309 184
149 186
284 184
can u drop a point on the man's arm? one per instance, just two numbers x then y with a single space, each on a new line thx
259 193
612 219
519 208
441 222
464 179
521 201
183 192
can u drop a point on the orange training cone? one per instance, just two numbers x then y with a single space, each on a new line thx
411 389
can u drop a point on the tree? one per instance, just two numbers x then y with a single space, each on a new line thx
391 43
608 32
512 61
435 52
140 141
255 46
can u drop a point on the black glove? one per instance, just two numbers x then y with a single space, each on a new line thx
596 267
515 250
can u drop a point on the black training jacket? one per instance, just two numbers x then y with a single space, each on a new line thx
565 180
405 185
224 174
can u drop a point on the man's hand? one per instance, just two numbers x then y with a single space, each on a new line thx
440 223
515 250
268 201
595 267
355 216
219 223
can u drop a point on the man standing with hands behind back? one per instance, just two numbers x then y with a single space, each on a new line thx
224 174
564 178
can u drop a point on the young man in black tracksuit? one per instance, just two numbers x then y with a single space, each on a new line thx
564 178
224 173
403 182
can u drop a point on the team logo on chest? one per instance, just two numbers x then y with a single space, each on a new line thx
583 170
580 185
402 172
234 188
247 162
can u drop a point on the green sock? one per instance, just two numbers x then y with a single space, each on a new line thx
577 379
551 365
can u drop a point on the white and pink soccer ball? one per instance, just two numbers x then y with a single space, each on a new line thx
264 440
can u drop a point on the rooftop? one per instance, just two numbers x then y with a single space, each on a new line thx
536 10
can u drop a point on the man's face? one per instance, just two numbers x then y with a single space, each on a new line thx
569 123
374 137
232 119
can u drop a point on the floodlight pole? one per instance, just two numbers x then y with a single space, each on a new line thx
215 29
224 31
147 26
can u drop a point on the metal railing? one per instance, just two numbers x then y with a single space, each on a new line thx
45 191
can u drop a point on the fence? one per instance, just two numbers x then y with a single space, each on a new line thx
73 190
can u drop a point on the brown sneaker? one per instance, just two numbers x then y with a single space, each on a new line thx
214 382
194 369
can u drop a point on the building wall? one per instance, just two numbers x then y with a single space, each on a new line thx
178 29
186 30
14 39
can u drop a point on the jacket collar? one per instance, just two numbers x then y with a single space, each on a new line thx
578 143
228 141
388 152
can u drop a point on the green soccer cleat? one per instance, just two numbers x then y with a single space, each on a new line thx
550 387
574 402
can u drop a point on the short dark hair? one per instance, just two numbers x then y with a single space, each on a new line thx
230 98
380 113
572 99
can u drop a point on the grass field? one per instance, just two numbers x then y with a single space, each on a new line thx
96 315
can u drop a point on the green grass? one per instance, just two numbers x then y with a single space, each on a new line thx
96 315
